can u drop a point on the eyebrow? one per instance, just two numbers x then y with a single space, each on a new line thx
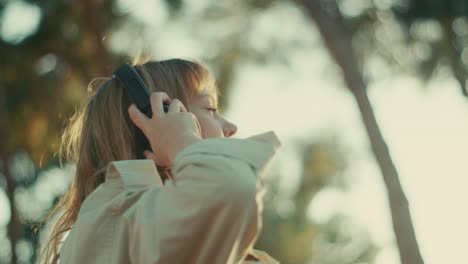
211 97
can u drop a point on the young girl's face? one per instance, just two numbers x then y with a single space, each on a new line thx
205 107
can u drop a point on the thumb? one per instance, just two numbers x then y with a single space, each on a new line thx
137 117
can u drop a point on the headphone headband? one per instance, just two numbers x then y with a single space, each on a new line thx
134 87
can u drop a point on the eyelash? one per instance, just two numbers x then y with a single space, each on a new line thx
213 109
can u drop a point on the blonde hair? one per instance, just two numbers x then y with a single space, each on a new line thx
102 132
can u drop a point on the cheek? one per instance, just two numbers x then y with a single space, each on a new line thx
210 127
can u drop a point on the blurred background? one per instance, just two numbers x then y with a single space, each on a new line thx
368 97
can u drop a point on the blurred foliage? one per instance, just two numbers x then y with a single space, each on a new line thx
417 37
291 235
43 78
56 62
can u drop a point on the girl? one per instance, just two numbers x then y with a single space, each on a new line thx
196 198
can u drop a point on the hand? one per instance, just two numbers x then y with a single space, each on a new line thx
168 133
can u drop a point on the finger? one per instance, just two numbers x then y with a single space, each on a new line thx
157 102
176 106
137 117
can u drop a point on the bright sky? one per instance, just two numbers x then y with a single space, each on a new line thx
425 127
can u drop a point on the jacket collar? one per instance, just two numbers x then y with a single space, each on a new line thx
255 150
134 173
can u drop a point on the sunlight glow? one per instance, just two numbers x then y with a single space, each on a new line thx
19 20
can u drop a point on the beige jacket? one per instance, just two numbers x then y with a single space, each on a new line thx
210 213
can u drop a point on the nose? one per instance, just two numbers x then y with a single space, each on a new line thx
229 129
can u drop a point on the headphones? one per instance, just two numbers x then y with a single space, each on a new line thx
139 94
136 89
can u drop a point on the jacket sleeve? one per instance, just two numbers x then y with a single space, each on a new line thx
211 213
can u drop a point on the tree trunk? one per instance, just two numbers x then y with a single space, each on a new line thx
14 227
339 46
